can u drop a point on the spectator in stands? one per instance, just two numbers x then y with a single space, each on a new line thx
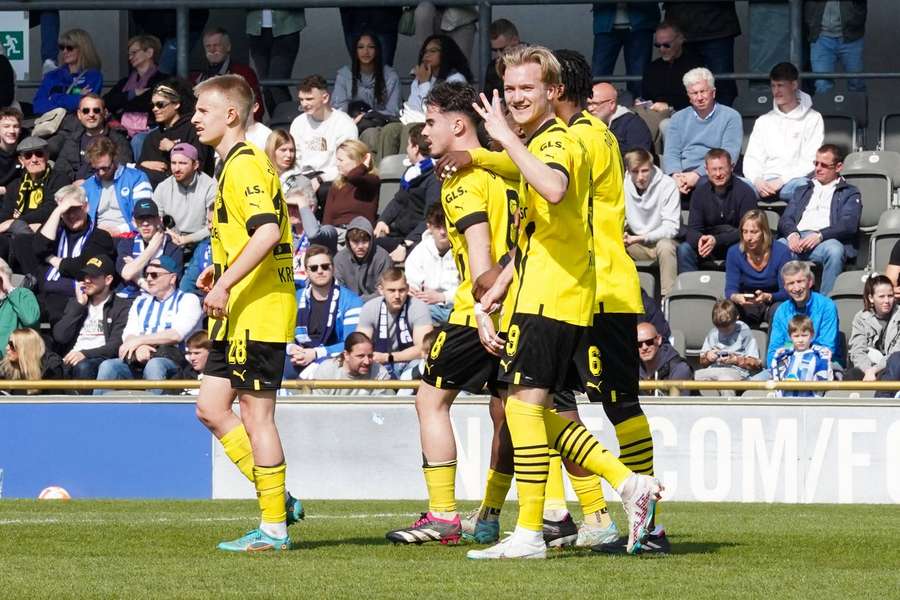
456 22
18 306
90 329
355 363
753 270
504 36
306 229
836 31
29 198
630 130
92 124
27 359
7 82
66 240
326 314
185 196
318 132
10 135
355 191
659 361
274 39
257 133
383 21
402 221
158 321
129 100
718 204
282 152
710 29
199 261
440 59
173 105
821 221
150 243
217 46
729 352
652 216
803 360
696 130
654 316
367 84
163 25
78 74
360 264
770 39
114 188
196 353
868 342
798 282
662 90
396 322
627 27
431 269
784 141
892 270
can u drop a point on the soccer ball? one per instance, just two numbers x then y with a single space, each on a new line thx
54 492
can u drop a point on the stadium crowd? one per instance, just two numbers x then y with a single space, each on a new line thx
108 196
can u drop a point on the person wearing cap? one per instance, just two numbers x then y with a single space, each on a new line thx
114 189
151 241
90 330
158 322
57 253
92 122
185 196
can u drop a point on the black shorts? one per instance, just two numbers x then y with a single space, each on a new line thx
458 361
248 365
607 358
540 352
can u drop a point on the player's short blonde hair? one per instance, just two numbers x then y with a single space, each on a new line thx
539 55
235 89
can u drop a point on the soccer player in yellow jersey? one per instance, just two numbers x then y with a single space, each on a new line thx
251 306
480 224
547 321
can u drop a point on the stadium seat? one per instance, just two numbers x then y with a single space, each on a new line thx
689 306
852 394
390 169
751 106
886 235
845 115
762 343
890 133
284 114
712 282
847 295
876 174
773 218
677 341
648 283
758 394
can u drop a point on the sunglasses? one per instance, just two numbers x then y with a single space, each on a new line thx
161 105
818 163
66 48
27 154
665 45
153 275
644 343
315 268
95 110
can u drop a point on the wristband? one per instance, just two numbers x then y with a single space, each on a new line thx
390 358
505 260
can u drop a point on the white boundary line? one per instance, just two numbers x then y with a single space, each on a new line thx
163 520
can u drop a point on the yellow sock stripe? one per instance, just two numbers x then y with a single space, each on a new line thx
269 483
236 444
589 492
495 491
440 479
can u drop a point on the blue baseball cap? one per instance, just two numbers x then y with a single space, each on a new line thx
145 208
166 263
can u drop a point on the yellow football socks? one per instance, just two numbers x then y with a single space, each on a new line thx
440 478
636 444
589 492
237 447
495 491
577 444
530 459
270 492
555 493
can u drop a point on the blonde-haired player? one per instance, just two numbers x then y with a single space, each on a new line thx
251 306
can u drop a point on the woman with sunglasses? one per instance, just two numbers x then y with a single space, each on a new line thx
172 106
27 359
78 74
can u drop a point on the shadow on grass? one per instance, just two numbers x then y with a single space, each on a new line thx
679 548
357 541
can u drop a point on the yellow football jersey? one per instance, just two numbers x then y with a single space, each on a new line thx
469 197
555 274
262 306
618 288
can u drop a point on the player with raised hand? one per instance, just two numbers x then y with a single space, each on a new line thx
481 227
547 321
251 306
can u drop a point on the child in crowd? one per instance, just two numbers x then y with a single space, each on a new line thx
355 192
804 361
729 352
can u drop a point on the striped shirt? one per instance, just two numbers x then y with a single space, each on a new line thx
148 315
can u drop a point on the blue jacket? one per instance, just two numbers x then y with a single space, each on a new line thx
60 89
345 320
201 259
824 315
131 185
846 207
640 16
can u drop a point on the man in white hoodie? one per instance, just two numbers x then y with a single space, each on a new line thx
784 141
652 215
430 268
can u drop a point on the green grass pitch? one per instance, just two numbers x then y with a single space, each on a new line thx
166 549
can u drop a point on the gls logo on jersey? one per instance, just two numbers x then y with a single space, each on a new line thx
552 144
252 189
454 194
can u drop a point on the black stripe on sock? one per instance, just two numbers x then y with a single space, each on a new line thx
583 456
632 444
622 457
567 432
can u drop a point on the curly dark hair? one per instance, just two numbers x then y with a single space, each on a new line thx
380 85
576 76
454 96
452 58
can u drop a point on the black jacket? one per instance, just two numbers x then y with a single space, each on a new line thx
98 242
719 215
632 132
7 82
662 81
405 214
853 18
182 131
56 180
71 158
115 317
702 21
117 101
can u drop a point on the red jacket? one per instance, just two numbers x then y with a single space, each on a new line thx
247 72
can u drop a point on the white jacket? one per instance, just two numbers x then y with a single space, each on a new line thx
317 141
426 268
784 144
655 214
